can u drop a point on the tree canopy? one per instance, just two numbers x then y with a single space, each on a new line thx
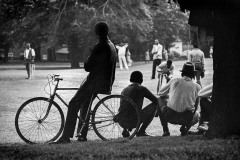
54 22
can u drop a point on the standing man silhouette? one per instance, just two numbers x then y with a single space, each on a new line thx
101 65
157 56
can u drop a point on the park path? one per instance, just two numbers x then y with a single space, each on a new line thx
15 89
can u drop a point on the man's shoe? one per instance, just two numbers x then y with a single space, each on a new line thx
61 140
142 134
82 139
125 133
166 134
203 127
183 131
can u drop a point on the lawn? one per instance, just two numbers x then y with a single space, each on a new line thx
15 89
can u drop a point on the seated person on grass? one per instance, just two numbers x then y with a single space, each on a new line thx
179 102
137 93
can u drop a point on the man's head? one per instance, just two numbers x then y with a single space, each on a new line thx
28 45
169 63
156 41
195 45
188 70
136 77
101 30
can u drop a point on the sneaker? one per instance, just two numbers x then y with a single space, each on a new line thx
81 138
125 133
183 131
142 134
203 127
61 140
166 134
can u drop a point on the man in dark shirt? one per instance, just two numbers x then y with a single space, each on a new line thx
137 93
101 64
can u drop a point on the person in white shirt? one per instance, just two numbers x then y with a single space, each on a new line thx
205 95
165 69
196 56
157 56
179 102
121 55
29 56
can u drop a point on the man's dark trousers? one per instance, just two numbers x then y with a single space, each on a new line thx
81 102
156 62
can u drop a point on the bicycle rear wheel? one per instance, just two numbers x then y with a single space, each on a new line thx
29 124
116 116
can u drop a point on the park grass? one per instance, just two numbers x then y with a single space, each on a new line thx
173 147
15 89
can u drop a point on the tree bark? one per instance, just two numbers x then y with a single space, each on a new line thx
74 57
225 119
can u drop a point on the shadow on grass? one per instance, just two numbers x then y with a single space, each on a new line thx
173 147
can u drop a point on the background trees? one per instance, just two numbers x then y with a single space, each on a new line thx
52 23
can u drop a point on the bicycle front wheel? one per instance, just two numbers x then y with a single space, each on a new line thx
116 116
30 126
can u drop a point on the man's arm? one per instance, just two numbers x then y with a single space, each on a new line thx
172 69
165 90
159 51
33 54
203 60
25 54
90 60
150 96
189 57
153 50
197 105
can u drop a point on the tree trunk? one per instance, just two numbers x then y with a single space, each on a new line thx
74 57
6 50
225 119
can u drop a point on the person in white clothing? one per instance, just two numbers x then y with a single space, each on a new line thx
165 69
179 102
196 56
121 55
29 56
157 56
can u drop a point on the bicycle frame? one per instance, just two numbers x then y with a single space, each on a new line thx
51 98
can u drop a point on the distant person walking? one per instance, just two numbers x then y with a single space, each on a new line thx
29 56
196 56
157 56
121 55
147 56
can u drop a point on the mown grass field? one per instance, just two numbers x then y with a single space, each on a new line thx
15 89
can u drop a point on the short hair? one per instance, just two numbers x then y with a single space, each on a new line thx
188 70
101 29
136 76
195 45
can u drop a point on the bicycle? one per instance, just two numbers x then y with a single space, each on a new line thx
41 119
